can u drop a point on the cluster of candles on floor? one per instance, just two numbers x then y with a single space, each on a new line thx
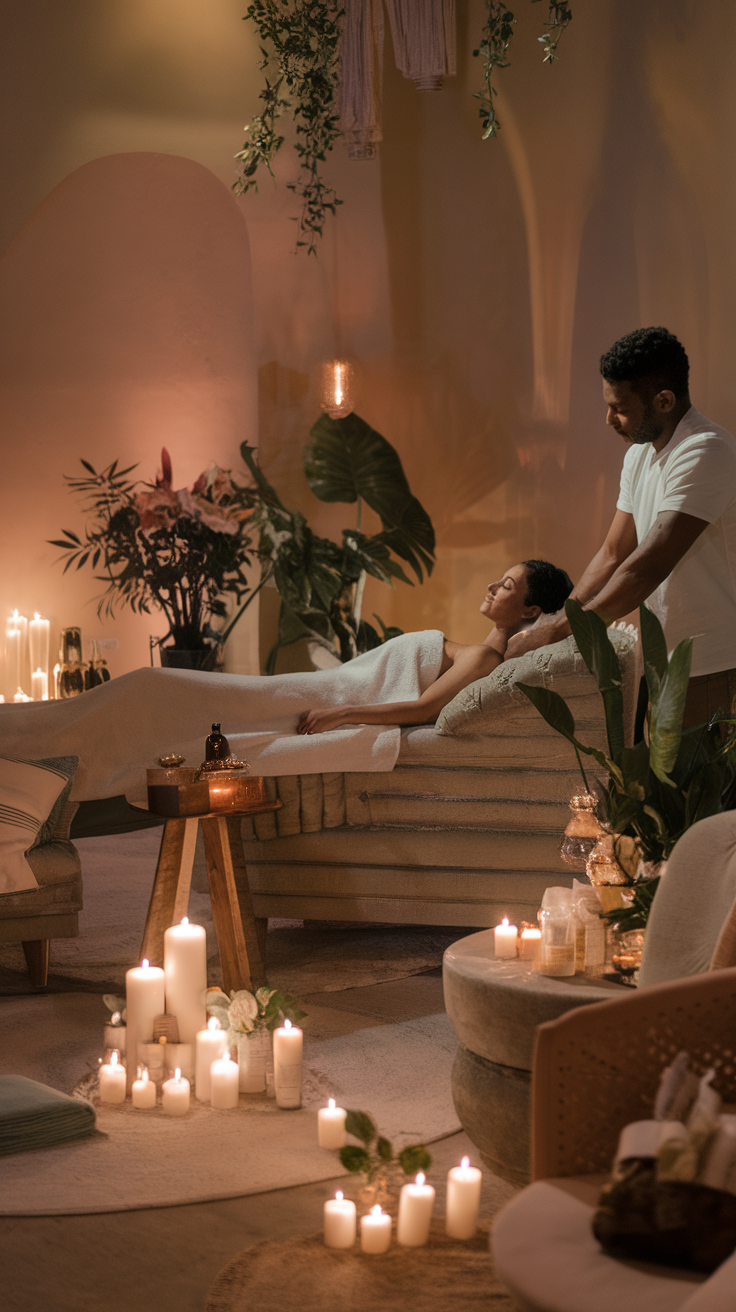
201 1057
416 1204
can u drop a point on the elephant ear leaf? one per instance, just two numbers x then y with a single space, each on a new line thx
668 706
653 646
347 459
589 632
558 715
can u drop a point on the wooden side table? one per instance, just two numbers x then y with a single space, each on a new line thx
241 936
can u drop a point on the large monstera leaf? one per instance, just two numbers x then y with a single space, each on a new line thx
346 460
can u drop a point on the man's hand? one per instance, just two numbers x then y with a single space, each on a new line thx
323 721
545 630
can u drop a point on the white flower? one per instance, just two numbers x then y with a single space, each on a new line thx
242 1012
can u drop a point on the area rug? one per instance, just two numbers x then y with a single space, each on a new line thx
118 876
400 1073
301 1275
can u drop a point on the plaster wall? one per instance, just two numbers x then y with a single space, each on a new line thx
475 283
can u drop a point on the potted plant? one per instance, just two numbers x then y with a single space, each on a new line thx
662 785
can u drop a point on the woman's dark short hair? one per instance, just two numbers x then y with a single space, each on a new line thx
648 354
546 586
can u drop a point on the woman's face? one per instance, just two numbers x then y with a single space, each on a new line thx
505 600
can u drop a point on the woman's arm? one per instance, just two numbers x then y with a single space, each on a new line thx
468 664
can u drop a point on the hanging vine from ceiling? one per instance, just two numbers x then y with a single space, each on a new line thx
300 49
495 41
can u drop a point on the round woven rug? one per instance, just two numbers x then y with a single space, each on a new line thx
301 1275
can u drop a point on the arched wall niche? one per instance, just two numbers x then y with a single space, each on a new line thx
125 326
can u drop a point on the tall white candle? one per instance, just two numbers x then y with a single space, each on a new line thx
112 1081
224 1083
39 686
38 642
144 996
185 967
375 1231
287 1065
463 1200
504 939
210 1045
13 655
415 1213
331 1125
175 1095
340 1222
144 1091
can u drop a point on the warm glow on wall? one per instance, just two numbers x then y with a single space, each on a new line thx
336 394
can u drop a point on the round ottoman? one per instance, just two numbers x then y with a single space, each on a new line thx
494 1008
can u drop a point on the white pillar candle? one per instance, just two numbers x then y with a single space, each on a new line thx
504 939
38 642
112 1081
340 1222
209 1046
530 944
375 1231
39 686
144 996
185 967
224 1083
331 1125
287 1065
415 1213
144 1091
463 1200
175 1095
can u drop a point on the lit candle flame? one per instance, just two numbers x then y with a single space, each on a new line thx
377 1210
144 1075
420 1178
185 920
338 384
465 1163
339 1195
213 1024
145 964
114 1059
177 1074
505 922
287 1024
331 1104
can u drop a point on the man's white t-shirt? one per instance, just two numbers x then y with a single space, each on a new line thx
696 474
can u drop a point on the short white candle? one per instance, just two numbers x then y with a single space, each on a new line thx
144 994
375 1231
340 1222
210 1045
463 1200
185 966
112 1081
415 1213
224 1083
287 1062
531 940
175 1095
40 686
504 939
144 1091
331 1125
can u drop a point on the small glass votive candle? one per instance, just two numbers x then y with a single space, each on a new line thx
175 1095
375 1231
340 1222
143 1092
529 944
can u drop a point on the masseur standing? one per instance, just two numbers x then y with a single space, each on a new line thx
672 542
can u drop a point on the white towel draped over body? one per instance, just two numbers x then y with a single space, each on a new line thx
124 726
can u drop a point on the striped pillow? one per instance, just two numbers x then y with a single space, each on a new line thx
28 792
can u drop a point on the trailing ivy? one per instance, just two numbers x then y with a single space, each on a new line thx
494 45
300 42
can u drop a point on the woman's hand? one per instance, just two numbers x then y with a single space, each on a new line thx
323 721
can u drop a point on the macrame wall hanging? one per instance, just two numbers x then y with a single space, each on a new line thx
324 63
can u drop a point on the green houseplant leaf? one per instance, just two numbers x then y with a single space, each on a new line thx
589 632
668 706
360 1125
414 1158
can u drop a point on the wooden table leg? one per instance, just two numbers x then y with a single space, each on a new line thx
170 894
254 927
232 911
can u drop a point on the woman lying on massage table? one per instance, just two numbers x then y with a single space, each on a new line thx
513 602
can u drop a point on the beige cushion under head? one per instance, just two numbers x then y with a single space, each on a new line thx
494 704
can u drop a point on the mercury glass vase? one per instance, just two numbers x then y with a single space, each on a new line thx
582 832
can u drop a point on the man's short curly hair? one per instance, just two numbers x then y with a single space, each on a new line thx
648 353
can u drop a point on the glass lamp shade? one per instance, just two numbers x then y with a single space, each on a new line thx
336 394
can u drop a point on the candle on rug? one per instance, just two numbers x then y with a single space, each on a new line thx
185 967
210 1045
415 1213
375 1231
340 1222
224 1079
112 1081
463 1200
144 1090
504 939
175 1095
287 1063
331 1125
144 996
530 944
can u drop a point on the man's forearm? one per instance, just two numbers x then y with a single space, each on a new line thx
631 584
595 577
